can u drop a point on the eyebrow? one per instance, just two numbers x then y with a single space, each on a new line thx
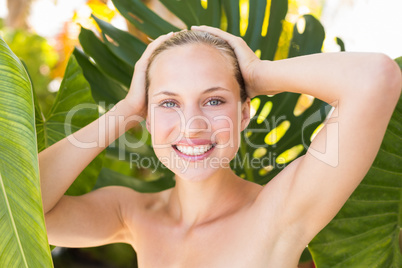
212 89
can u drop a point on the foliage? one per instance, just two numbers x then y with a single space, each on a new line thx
112 255
21 219
39 57
22 229
73 109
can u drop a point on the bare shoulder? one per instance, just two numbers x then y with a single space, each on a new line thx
75 220
136 201
139 209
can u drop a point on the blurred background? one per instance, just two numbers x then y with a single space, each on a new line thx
44 33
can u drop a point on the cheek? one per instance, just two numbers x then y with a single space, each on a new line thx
227 130
164 126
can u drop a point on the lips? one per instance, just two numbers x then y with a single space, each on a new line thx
194 149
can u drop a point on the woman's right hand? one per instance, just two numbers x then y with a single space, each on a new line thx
136 96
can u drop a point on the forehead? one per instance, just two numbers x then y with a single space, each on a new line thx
195 66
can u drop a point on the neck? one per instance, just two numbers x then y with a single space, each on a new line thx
195 202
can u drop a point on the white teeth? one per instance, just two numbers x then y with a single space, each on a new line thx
193 150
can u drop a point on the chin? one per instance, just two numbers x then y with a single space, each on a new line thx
195 168
194 175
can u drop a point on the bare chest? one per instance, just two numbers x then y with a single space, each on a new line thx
236 241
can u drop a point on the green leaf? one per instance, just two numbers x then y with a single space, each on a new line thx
340 43
105 91
308 37
124 45
143 18
191 12
73 109
109 177
107 62
366 231
260 161
305 256
255 20
232 11
23 239
269 43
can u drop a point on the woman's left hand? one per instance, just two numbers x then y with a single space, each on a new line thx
247 59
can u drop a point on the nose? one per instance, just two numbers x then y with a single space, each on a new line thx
195 122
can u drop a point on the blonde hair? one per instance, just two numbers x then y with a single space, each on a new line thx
197 37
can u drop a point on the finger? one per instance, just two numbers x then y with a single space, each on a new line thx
212 30
237 43
242 50
218 32
154 44
142 63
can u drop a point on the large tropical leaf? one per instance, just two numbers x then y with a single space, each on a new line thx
23 240
366 232
105 91
125 46
143 18
280 132
104 57
109 177
311 31
73 109
193 12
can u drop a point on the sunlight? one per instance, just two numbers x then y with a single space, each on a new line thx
244 5
264 29
258 53
204 4
289 154
303 103
277 133
260 152
264 112
254 105
265 170
45 11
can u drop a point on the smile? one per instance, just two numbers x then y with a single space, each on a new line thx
194 153
193 150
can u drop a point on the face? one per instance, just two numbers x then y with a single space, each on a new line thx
195 115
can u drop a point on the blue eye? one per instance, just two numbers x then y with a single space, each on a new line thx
168 104
173 104
215 102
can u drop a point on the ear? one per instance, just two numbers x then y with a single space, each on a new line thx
245 114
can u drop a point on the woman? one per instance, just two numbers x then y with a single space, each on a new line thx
195 102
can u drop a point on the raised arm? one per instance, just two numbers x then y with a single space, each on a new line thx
95 218
364 88
61 163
